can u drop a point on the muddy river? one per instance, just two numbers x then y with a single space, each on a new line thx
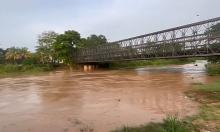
97 101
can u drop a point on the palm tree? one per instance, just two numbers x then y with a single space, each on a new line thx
11 54
23 54
17 55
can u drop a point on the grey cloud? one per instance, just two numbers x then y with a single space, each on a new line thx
22 20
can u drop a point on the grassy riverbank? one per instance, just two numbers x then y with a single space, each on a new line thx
156 62
170 124
208 118
8 69
213 69
208 96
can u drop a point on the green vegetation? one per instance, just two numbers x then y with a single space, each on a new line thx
94 40
45 50
53 50
59 48
208 96
213 69
17 69
19 60
214 59
156 62
170 124
214 30
17 55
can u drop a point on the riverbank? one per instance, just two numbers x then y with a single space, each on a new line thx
208 96
207 120
170 124
156 62
213 69
8 69
12 69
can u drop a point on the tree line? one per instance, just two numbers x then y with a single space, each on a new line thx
52 48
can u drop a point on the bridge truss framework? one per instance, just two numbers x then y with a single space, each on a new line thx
190 40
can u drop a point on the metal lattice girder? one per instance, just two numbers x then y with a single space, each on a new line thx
183 41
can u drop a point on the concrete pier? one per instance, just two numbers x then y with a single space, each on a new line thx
89 67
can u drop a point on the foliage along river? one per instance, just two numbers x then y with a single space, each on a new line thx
101 101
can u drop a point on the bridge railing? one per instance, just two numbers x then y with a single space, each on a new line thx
194 39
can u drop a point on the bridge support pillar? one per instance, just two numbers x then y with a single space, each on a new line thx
89 67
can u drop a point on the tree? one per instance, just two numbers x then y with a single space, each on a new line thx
94 40
65 45
45 48
214 32
2 56
34 59
17 55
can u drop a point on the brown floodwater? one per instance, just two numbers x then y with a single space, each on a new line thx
101 100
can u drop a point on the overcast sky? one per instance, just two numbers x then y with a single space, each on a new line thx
21 21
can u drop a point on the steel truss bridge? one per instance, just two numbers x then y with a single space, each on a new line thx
198 39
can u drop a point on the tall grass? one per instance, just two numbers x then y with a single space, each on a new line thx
170 124
173 124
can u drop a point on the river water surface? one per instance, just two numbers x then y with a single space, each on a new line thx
99 101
